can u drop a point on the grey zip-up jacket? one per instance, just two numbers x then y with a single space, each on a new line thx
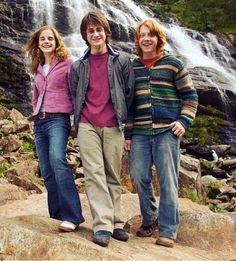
121 83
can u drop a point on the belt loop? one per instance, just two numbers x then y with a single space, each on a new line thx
42 116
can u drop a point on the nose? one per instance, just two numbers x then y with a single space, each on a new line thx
146 37
95 33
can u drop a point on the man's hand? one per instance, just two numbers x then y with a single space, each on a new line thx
177 128
127 145
73 132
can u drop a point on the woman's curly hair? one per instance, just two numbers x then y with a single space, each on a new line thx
36 56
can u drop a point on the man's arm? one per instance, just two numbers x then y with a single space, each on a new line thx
73 80
188 96
129 80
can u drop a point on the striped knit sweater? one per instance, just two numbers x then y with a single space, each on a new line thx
163 94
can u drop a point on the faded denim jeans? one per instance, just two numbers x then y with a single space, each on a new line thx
51 136
162 150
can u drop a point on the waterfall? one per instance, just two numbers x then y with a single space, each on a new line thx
201 53
77 10
43 11
196 49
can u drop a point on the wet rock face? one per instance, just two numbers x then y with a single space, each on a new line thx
15 26
62 18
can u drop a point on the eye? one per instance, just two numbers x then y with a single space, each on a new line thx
99 29
90 31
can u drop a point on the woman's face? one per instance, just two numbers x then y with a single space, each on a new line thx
47 42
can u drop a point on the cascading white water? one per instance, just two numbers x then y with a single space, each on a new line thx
118 15
43 11
77 11
196 52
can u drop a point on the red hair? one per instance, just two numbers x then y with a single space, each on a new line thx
155 30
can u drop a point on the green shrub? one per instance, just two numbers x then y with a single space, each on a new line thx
215 208
3 167
216 16
191 194
27 147
204 129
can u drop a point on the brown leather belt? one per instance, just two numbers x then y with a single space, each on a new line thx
45 115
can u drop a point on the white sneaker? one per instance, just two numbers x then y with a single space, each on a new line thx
67 226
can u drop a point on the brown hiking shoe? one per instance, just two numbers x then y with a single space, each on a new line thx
166 242
145 231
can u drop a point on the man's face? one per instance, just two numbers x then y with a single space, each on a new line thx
147 42
96 36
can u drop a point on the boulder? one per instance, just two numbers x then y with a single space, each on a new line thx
189 176
10 143
4 112
15 115
10 192
228 164
32 237
26 233
207 231
8 128
24 174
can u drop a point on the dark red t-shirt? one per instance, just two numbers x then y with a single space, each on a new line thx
98 109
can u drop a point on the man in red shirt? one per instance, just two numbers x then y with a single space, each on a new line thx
102 83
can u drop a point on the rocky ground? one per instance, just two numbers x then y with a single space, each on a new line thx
27 233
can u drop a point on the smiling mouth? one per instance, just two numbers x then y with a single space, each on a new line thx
146 44
46 46
96 39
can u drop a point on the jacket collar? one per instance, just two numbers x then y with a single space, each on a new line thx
111 51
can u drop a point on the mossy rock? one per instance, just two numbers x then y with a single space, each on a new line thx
213 189
206 167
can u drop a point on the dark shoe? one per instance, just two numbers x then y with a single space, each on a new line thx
145 231
120 234
102 238
164 241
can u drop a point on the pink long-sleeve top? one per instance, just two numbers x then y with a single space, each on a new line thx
53 90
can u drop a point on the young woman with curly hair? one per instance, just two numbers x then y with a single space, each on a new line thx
52 107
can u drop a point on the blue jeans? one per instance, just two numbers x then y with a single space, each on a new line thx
51 136
162 150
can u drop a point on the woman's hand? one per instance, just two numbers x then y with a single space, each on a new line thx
73 132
